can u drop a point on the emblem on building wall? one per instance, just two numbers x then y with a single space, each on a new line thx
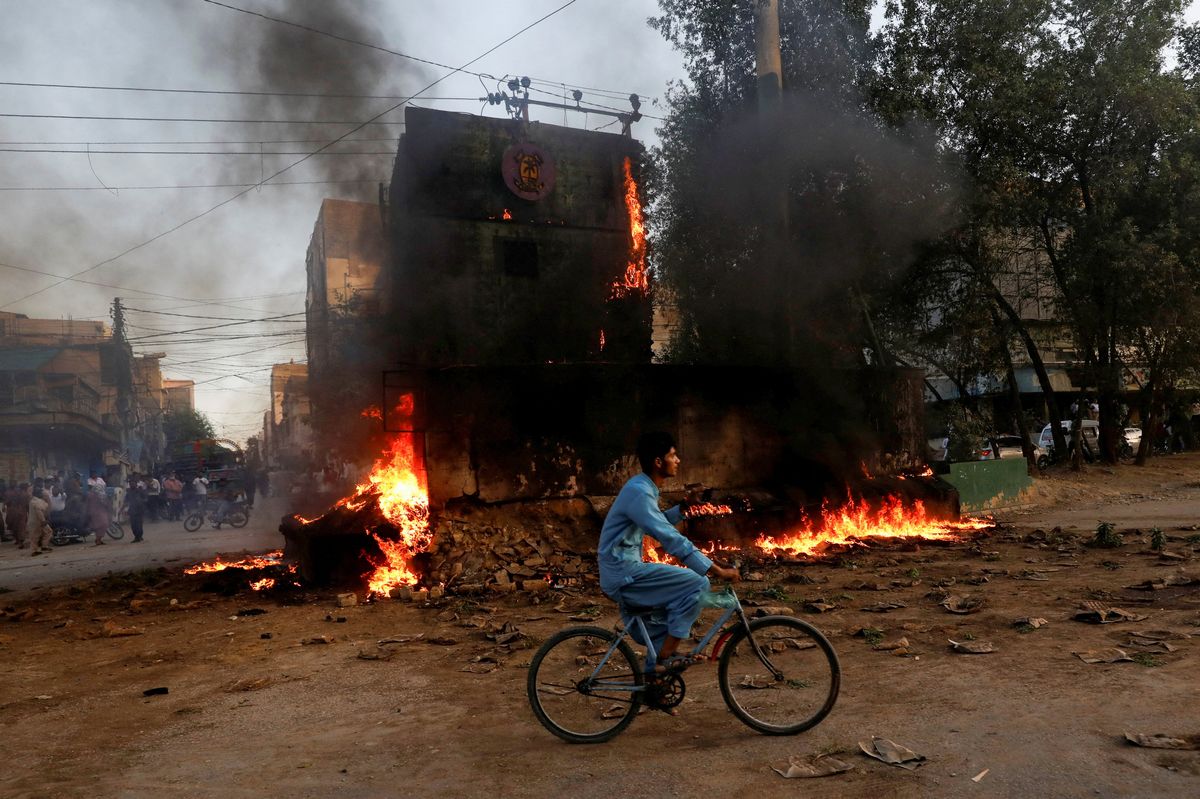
528 171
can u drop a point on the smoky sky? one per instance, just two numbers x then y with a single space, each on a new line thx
251 252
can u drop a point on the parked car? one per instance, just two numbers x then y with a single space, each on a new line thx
1009 446
1133 440
1091 437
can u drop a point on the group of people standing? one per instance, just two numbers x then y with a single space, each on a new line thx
30 510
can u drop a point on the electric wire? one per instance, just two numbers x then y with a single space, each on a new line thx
243 192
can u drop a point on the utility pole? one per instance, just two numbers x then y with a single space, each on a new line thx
768 59
769 68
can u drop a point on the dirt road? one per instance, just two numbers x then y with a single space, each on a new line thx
249 715
167 543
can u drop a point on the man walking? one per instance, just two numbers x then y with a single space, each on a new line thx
135 505
37 527
17 513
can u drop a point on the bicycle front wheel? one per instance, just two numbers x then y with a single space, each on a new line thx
116 531
192 523
790 691
575 701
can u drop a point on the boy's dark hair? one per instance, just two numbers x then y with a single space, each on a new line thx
653 445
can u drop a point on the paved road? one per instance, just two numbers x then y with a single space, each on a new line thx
166 544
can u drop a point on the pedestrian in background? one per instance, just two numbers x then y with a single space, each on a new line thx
173 489
154 498
17 513
37 527
99 513
135 505
4 534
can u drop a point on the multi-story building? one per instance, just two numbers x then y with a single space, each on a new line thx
178 395
287 437
75 398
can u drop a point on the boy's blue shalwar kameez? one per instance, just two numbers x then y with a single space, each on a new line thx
627 579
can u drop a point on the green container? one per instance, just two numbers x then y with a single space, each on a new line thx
990 485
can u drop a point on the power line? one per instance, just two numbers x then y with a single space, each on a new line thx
254 153
243 192
186 141
104 118
382 49
184 186
214 318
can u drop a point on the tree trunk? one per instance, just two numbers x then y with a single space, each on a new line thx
1014 396
1149 422
1039 368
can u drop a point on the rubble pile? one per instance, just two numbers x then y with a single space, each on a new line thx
473 557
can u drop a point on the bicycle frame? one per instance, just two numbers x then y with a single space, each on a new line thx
652 655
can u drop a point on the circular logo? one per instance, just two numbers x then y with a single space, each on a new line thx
528 171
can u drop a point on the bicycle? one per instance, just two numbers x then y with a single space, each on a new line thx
580 699
236 516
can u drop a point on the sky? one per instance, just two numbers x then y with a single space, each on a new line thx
186 258
245 259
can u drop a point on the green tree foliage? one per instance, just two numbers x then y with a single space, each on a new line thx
183 426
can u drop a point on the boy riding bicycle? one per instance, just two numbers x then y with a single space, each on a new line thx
628 580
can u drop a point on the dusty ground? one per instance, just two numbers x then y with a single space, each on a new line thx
250 716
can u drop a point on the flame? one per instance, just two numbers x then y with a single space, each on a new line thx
707 509
372 412
263 584
506 215
857 519
602 341
635 277
249 562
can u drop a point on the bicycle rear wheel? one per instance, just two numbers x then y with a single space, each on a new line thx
192 523
237 518
565 698
116 531
800 697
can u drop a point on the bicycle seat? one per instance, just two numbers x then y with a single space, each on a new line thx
629 609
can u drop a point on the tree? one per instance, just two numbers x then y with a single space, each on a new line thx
1063 114
182 426
857 195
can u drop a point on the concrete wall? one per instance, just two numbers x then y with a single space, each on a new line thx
506 433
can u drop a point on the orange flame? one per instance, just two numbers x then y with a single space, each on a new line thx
372 412
602 341
506 215
263 584
707 509
857 519
249 562
635 277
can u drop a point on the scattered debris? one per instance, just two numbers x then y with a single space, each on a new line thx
614 712
1169 581
1111 655
481 664
1098 613
1151 646
972 647
971 603
812 766
113 630
783 610
505 634
1160 635
1032 622
897 646
238 686
1031 574
1161 741
980 775
891 753
250 612
401 639
441 641
156 691
884 607
812 607
756 681
317 639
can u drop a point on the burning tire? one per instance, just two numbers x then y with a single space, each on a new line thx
577 699
790 691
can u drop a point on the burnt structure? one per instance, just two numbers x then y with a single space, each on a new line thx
509 237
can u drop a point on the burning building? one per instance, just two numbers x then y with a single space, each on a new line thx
514 343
